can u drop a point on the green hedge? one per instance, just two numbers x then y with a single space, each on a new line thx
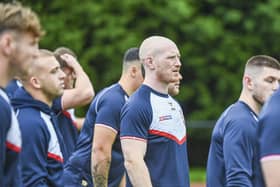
215 37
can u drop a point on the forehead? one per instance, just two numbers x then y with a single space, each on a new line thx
27 36
168 50
47 62
270 72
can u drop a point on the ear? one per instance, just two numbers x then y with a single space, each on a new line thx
248 82
35 82
133 71
149 61
7 44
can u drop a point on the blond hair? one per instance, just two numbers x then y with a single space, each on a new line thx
14 16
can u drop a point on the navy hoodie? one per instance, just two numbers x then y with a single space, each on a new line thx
42 143
67 125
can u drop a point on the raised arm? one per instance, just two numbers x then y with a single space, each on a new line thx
83 91
134 151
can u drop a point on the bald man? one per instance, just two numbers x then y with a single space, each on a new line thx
153 122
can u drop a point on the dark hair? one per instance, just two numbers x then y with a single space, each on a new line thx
143 70
263 61
60 51
131 54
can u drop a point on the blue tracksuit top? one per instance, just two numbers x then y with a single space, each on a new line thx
66 123
67 127
42 154
233 156
10 144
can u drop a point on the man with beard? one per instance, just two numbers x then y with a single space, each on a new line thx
153 131
43 148
233 155
20 31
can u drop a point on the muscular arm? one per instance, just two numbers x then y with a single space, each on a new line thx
134 162
103 140
83 91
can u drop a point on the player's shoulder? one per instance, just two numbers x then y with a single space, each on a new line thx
31 115
113 94
238 116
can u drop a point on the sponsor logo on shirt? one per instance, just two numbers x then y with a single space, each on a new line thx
163 118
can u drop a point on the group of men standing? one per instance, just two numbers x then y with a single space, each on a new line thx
119 141
134 133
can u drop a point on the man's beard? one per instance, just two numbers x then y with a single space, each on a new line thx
258 100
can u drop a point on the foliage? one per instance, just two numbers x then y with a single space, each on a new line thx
215 39
197 175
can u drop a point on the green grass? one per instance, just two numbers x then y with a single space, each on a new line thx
197 174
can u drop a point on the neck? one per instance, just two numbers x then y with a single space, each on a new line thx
250 101
39 95
160 87
127 85
4 73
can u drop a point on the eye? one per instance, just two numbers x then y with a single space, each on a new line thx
270 80
55 70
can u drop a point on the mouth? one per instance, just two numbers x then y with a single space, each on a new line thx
62 85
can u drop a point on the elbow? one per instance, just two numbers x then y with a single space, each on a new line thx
87 96
129 164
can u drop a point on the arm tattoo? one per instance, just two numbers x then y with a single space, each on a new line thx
101 172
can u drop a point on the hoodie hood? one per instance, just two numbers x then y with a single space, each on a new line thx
22 99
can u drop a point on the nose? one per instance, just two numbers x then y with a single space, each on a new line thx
178 62
62 74
276 85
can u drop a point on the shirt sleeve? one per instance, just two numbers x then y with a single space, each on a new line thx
136 119
238 149
108 112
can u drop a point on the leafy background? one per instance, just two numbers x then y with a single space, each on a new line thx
215 38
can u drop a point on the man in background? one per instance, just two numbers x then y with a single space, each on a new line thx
74 82
98 157
233 156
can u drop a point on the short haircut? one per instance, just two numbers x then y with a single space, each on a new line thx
60 51
45 53
15 17
36 63
263 61
131 54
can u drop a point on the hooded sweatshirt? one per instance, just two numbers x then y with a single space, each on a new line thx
10 144
42 143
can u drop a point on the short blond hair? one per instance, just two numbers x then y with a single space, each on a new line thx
14 16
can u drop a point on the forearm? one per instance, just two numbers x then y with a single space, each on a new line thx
100 166
138 173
